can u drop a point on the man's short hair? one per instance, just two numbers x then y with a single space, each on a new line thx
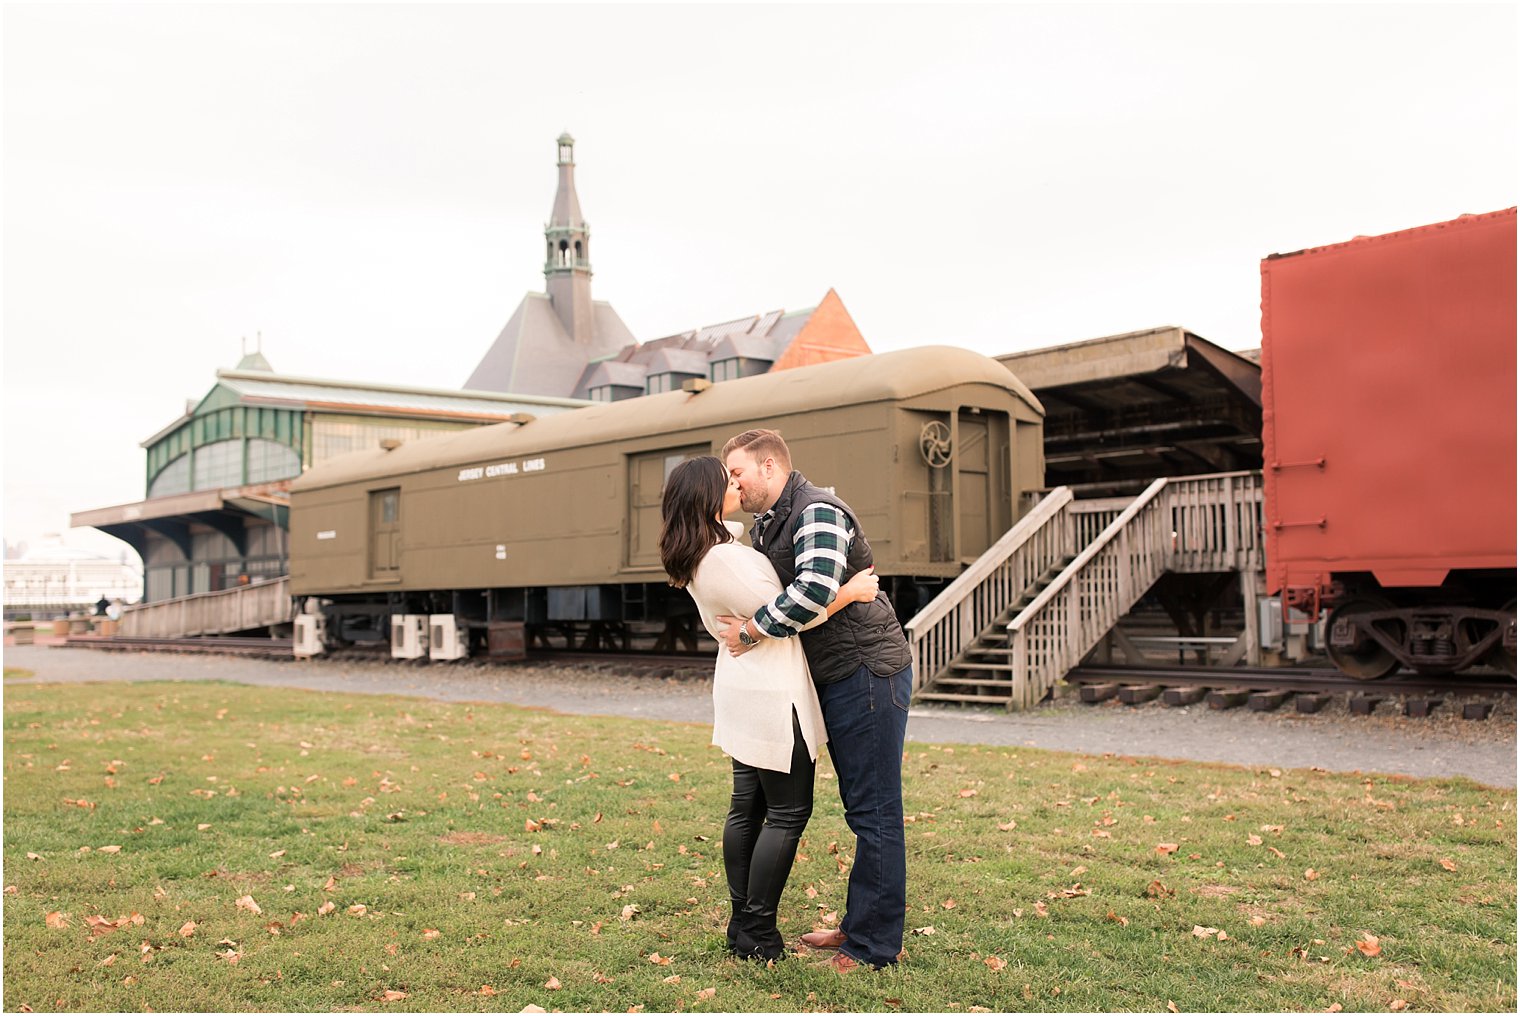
761 445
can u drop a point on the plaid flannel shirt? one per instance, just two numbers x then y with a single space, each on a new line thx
820 545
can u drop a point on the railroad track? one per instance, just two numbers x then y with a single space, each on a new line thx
265 648
268 648
1267 688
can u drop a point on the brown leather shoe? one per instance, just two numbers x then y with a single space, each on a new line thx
841 963
827 938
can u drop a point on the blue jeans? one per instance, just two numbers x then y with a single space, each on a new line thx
867 720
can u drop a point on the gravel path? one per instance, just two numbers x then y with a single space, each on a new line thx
1440 745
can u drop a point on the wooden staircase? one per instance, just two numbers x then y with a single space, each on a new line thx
981 672
1026 612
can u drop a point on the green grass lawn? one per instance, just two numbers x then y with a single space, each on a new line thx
218 847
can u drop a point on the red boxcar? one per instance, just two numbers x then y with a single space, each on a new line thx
1388 425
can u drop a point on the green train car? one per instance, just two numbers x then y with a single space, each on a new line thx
472 542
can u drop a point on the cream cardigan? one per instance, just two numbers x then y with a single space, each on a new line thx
754 694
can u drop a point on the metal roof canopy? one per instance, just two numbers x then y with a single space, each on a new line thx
1124 409
223 510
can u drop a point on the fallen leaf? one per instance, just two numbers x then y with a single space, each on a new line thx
1008 826
1253 840
1199 931
1397 1005
553 984
430 933
1166 848
358 910
1040 910
928 930
658 960
1258 921
1334 1007
995 963
948 904
1448 864
1171 1006
187 929
707 993
108 961
246 902
392 996
672 979
530 1007
629 911
1279 853
57 920
1123 921
1158 891
278 853
487 990
109 850
327 908
1310 874
1368 944
968 793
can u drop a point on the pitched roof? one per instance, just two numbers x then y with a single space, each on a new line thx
534 355
297 392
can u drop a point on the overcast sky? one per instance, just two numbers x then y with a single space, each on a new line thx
367 186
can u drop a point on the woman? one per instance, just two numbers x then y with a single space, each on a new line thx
765 710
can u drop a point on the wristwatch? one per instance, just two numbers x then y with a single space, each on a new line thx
744 636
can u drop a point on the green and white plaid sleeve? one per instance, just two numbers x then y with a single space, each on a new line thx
820 546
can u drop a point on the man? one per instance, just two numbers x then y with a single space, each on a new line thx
861 666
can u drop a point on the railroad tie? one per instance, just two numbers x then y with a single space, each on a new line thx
1266 701
1363 705
1135 694
1185 696
1099 692
1477 710
1419 708
1226 699
1310 702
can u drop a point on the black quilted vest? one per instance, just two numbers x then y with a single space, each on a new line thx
862 633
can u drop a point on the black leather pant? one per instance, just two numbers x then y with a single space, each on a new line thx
765 821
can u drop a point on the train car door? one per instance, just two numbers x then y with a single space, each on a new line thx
385 533
647 473
980 457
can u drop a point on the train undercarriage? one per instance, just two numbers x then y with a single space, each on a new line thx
1468 621
504 624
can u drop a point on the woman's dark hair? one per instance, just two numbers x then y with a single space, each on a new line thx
690 510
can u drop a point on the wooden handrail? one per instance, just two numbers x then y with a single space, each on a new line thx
1092 550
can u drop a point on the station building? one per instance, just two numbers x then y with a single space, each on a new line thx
562 342
217 503
1122 410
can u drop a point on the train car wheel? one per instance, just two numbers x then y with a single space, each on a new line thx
1365 658
1503 657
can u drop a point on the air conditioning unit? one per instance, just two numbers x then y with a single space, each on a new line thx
409 636
449 640
308 639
